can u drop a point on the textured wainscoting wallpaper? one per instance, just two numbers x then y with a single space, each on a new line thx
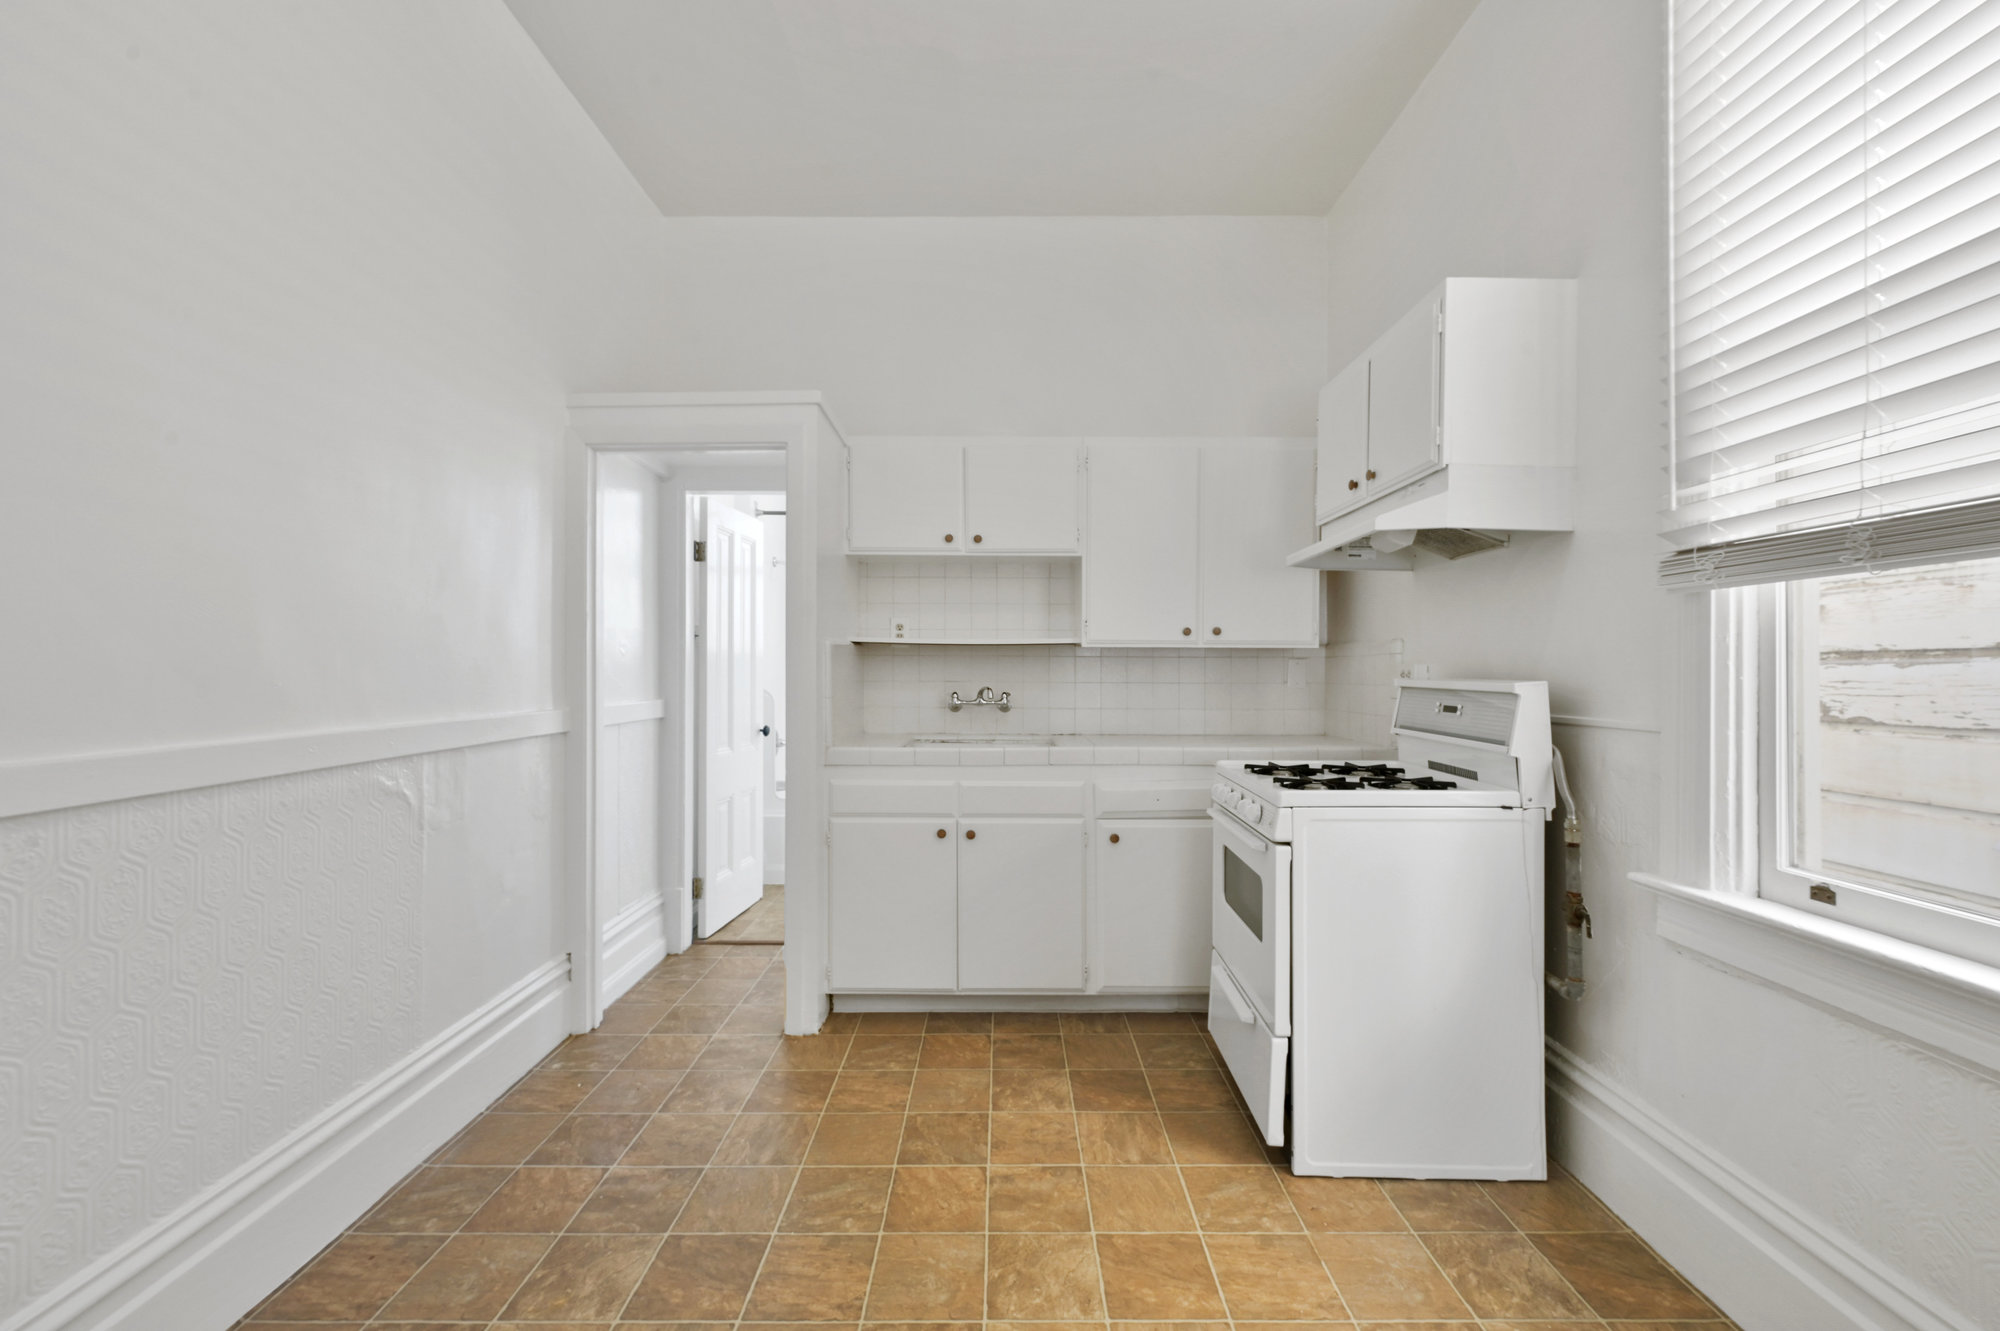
185 979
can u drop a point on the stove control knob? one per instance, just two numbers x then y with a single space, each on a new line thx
1218 792
1256 814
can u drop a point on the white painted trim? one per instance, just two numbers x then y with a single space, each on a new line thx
1601 723
1769 1264
624 713
212 1260
1192 1001
1947 1004
635 941
41 784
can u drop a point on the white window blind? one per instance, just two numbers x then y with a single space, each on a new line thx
1836 256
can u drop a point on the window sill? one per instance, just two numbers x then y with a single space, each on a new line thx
1947 1004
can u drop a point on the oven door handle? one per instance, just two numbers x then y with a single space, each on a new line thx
1236 827
1220 979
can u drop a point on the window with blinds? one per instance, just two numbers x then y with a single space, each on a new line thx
1836 275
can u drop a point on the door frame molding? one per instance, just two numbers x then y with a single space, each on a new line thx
717 423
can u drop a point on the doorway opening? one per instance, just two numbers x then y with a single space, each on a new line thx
737 628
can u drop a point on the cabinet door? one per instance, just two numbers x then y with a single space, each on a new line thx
1402 401
1343 441
1153 902
905 494
1021 497
1256 508
892 903
1020 903
1140 560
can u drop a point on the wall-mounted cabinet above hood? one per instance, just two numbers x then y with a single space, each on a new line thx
1455 428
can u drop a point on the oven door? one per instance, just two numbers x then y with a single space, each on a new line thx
1251 916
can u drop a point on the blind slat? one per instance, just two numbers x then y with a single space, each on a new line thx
1836 303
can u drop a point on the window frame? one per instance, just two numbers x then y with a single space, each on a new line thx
1751 809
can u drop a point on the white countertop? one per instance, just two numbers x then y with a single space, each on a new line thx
1088 750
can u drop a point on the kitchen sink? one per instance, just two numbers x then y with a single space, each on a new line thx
1015 741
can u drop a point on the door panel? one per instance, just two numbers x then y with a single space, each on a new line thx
1343 442
1256 508
730 856
1021 497
1152 902
1020 903
1141 565
905 494
1402 400
892 903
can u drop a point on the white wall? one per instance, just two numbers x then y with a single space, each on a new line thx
1186 326
290 299
1536 148
631 853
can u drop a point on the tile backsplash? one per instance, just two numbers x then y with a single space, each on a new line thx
933 600
1067 690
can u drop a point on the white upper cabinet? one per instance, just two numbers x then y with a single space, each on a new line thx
1256 500
1343 439
1141 562
1462 414
1403 395
949 496
1021 496
1185 544
905 496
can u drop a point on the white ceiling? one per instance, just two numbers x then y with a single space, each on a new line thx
992 107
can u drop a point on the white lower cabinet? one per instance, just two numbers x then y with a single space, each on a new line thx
1153 902
892 903
981 886
1020 903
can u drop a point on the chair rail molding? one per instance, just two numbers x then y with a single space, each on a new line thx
41 784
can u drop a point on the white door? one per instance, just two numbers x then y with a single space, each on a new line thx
729 853
1021 497
1402 401
905 495
1020 903
1152 902
1256 507
1140 560
1343 441
892 903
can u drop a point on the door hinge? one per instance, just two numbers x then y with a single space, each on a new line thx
700 552
829 977
697 889
569 965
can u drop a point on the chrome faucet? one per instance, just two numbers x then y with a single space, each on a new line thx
984 698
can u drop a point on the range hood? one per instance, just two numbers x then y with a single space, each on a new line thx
1455 511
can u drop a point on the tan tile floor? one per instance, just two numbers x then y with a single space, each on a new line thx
689 1166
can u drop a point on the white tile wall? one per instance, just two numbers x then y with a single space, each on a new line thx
1066 690
1361 690
970 597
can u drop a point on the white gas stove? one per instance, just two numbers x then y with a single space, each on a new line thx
1377 931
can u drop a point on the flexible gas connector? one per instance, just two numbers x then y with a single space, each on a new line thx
1576 918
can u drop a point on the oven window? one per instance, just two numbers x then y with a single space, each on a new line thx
1244 891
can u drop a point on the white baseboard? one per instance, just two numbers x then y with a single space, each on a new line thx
212 1261
1769 1264
635 941
1188 1002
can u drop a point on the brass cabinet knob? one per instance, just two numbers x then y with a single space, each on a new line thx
1371 474
1352 485
1217 631
941 832
970 835
948 537
1187 633
1114 838
976 539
